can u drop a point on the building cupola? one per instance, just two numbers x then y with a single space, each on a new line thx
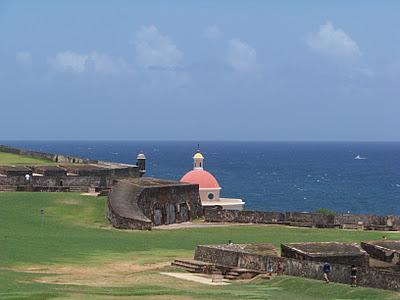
198 160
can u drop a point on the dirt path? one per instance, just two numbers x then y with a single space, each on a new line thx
196 278
115 274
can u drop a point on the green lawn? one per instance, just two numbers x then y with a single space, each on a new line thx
74 239
15 159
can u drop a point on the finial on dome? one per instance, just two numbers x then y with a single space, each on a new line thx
198 159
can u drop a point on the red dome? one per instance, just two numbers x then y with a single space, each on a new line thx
204 179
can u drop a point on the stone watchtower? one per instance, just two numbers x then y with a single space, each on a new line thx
141 163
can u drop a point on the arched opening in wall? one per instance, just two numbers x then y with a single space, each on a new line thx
73 160
157 215
61 183
184 215
170 213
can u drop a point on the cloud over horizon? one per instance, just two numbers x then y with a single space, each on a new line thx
105 64
333 42
81 62
155 50
241 56
68 61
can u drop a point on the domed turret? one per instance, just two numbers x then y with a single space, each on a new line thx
141 163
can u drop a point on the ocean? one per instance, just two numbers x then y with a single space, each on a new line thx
273 176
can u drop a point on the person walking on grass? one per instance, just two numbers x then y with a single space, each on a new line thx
270 268
353 275
326 269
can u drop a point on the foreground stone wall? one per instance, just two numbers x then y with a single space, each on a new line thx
366 276
230 258
382 251
340 253
303 219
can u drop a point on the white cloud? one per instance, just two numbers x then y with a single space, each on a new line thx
82 62
155 50
241 56
69 61
105 64
213 33
333 42
367 72
23 57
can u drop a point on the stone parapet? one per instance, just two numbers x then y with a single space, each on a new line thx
366 276
304 219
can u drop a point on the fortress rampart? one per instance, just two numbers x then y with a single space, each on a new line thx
146 202
303 219
63 174
369 276
47 156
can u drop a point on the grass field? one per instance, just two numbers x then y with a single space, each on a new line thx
15 159
72 253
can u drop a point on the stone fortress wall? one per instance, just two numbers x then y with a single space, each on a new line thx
142 203
67 174
47 156
367 275
303 219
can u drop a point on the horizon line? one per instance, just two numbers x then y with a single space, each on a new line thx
199 140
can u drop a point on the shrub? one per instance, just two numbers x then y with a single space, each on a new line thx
325 211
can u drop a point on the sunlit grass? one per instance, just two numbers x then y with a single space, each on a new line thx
74 231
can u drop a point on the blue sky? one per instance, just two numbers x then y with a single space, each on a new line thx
200 70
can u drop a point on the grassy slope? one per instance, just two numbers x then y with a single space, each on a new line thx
74 231
15 159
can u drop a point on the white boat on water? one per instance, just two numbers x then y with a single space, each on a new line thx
359 157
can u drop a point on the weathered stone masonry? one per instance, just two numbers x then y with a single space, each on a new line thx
146 202
370 222
70 173
227 255
331 252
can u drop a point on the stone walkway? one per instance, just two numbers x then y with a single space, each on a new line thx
196 278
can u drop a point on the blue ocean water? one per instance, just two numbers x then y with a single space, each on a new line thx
295 176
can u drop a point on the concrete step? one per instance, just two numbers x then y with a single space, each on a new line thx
189 268
193 262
